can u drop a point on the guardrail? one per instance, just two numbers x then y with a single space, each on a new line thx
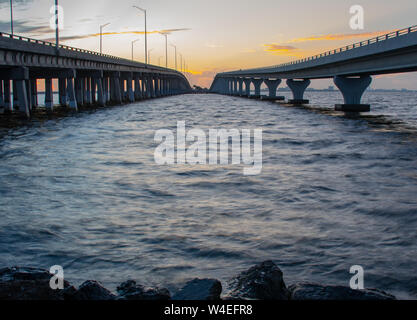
51 44
385 37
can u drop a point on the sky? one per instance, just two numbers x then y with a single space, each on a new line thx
218 35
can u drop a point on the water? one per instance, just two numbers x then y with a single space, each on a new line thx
84 192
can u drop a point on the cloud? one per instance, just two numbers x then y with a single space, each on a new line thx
330 37
93 35
283 50
26 27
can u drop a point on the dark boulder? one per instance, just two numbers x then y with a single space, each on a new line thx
91 290
262 282
311 291
20 283
129 290
200 289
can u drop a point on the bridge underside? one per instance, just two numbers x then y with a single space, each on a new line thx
83 78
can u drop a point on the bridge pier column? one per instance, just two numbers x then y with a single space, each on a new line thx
247 86
298 88
34 91
257 83
20 77
116 94
129 90
163 86
79 93
29 94
87 92
1 95
138 91
71 94
157 92
49 98
272 87
62 87
352 90
106 89
240 86
150 87
235 87
15 97
97 82
8 107
143 86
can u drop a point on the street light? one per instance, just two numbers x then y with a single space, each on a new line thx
180 62
166 48
133 42
11 17
146 34
101 36
175 56
56 25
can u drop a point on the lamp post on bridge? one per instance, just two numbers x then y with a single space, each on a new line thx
101 36
146 34
133 42
56 25
11 17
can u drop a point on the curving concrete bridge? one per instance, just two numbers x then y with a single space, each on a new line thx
84 77
351 67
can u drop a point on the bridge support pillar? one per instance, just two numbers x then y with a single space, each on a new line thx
20 77
240 86
144 86
49 98
106 89
34 92
79 90
71 94
298 88
129 90
257 83
87 92
352 90
151 87
62 87
272 87
247 86
8 107
157 92
138 91
115 90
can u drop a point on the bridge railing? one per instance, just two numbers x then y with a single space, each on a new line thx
381 38
51 44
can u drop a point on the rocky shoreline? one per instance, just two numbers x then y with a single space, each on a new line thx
261 282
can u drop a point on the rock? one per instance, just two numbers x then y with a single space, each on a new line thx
91 290
129 290
20 283
200 289
262 282
311 291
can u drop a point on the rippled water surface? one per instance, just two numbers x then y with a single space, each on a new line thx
84 192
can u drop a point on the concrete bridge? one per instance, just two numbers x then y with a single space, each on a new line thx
351 68
84 77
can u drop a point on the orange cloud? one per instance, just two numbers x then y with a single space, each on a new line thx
328 37
282 50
